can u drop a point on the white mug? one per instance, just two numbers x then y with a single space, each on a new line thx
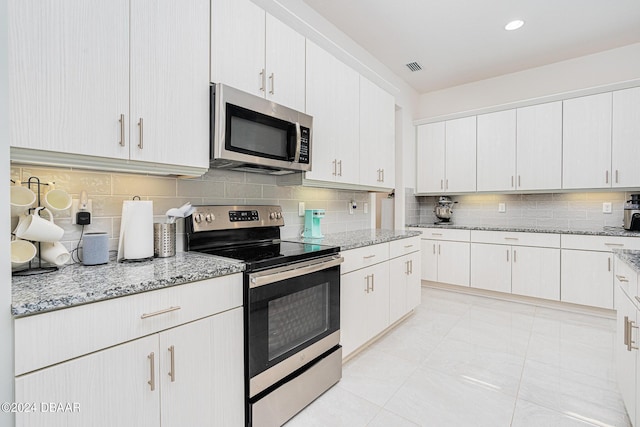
22 199
54 253
22 251
34 227
57 200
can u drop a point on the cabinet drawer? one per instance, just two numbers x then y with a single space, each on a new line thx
48 338
446 234
599 243
355 259
545 240
403 246
627 279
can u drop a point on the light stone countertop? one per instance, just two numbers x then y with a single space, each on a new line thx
359 238
78 284
630 257
604 231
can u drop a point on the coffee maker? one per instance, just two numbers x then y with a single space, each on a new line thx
312 219
632 213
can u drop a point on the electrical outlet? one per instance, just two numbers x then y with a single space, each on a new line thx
502 207
606 207
75 207
301 209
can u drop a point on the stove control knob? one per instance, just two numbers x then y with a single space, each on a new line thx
197 218
278 215
272 215
209 217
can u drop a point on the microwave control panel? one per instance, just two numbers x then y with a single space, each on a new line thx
304 145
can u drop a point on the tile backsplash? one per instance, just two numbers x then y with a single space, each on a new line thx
107 191
575 210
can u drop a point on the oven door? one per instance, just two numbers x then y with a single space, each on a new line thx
292 310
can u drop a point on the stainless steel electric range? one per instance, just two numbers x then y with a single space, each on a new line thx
291 307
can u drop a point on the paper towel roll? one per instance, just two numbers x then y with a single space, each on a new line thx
136 230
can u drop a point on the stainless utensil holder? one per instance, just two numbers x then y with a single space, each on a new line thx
164 240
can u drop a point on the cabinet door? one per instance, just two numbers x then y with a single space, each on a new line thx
201 372
535 272
429 260
378 300
625 148
285 64
377 137
587 278
353 310
453 263
69 76
460 155
398 273
539 147
238 45
414 284
491 267
586 147
430 158
496 151
170 82
332 98
626 359
110 388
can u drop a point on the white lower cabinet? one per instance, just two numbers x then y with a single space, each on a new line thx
184 373
445 256
626 356
587 278
535 272
379 284
491 267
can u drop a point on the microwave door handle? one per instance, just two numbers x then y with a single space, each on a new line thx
296 158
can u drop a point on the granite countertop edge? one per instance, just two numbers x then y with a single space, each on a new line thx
605 231
630 257
348 240
67 288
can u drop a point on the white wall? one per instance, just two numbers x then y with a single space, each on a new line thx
6 323
600 69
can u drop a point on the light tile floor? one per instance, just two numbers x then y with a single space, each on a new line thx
464 360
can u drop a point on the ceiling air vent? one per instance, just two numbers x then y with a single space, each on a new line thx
414 66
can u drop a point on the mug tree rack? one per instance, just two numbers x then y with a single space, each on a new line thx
34 267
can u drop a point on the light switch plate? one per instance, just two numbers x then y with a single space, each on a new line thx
300 208
502 207
606 207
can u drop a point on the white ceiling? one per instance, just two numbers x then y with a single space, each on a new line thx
461 41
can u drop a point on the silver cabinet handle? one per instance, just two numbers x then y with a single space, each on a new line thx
439 247
410 266
408 246
608 264
434 248
262 80
366 288
436 234
614 244
617 176
121 129
382 175
519 181
373 283
621 278
507 255
512 180
141 125
626 332
368 256
442 184
152 364
511 238
631 342
606 179
172 372
339 167
446 184
406 267
514 255
335 167
273 84
159 312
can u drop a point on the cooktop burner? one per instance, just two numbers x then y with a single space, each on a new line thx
247 233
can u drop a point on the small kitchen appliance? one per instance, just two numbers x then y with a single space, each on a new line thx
291 307
312 219
632 213
444 209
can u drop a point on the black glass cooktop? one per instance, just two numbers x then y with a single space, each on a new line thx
263 255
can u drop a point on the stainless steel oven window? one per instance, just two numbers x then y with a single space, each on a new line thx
297 318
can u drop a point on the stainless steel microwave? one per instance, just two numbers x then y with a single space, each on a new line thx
253 134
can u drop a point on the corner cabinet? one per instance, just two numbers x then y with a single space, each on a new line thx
189 372
333 101
255 52
127 81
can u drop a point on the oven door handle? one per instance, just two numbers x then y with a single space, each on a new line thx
282 273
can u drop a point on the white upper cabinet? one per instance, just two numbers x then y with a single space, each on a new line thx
69 84
128 80
587 142
446 157
255 52
460 155
377 136
333 101
430 158
169 116
496 151
539 147
625 150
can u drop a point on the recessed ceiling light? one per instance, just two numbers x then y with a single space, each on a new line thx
514 25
